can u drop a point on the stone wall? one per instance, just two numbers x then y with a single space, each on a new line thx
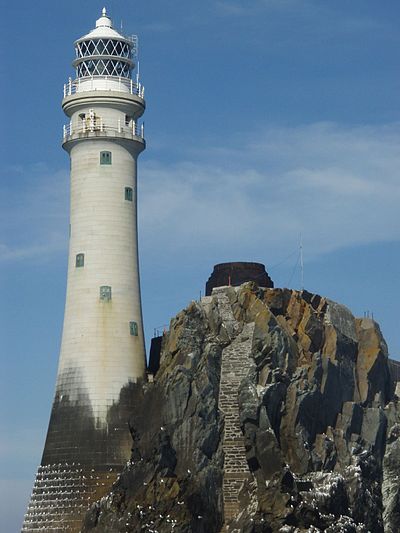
236 358
235 273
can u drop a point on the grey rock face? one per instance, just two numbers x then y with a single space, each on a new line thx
319 423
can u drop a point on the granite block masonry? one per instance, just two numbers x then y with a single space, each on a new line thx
102 350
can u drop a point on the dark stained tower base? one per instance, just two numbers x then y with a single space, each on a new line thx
237 273
80 462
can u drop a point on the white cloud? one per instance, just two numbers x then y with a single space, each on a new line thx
33 213
338 186
157 27
321 18
238 7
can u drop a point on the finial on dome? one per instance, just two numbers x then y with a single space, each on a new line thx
104 20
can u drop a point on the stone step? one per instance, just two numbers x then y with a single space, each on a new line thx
236 358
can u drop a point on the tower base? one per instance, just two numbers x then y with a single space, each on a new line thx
80 462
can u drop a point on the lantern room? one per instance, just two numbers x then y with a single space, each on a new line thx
104 51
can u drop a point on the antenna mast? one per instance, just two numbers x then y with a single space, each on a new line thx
301 262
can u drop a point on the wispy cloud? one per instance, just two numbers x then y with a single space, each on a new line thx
33 213
157 27
337 186
238 7
327 18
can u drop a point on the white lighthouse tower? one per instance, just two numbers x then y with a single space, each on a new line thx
102 350
103 333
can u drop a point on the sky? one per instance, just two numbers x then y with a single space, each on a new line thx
267 122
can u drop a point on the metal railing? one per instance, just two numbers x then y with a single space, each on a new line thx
97 126
103 83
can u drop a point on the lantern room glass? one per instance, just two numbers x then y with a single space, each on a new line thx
103 57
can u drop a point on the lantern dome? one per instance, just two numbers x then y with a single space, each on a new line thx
104 51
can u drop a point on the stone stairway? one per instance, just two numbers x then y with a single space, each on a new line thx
236 358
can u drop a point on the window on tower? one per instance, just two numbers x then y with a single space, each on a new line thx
133 327
129 194
80 260
105 158
105 293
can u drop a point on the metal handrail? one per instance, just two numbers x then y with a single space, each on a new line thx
88 126
107 83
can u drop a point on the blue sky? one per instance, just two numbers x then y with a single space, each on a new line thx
266 119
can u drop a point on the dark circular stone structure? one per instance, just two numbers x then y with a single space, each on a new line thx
237 273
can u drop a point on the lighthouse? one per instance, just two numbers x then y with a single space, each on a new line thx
102 352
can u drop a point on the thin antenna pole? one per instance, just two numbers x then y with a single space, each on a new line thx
301 262
138 73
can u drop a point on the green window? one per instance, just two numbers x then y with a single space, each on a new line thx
80 260
105 158
105 293
128 194
133 327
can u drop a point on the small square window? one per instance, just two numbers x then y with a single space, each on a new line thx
128 194
80 260
105 158
133 327
105 293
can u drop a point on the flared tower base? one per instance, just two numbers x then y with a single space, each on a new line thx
80 463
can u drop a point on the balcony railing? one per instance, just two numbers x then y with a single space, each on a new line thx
99 128
103 83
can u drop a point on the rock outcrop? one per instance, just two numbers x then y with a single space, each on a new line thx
273 411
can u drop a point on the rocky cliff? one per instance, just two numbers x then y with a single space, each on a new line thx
273 411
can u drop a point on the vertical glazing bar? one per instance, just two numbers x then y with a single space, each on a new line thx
119 125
